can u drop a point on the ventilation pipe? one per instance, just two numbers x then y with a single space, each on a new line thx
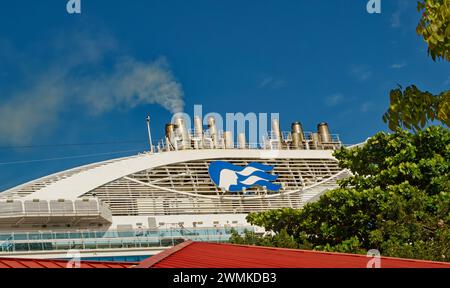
182 130
296 127
170 132
213 131
241 140
314 137
324 133
276 130
228 139
296 140
198 130
297 135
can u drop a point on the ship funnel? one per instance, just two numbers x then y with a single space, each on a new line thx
182 130
276 130
228 139
241 140
198 130
296 127
324 133
296 142
198 126
297 135
170 132
314 137
213 130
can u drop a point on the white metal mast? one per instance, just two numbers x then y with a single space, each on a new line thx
149 134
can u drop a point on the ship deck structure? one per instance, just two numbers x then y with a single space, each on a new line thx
142 204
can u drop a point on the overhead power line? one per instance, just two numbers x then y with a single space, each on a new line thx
71 144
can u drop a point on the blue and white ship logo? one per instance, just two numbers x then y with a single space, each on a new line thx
234 178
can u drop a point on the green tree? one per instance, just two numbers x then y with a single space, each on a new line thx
284 240
415 109
281 239
434 27
398 200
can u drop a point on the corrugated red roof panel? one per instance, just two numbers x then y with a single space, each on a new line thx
47 263
213 255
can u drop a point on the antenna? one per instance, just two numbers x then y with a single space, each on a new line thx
149 134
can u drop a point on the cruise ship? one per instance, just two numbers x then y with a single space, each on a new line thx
193 185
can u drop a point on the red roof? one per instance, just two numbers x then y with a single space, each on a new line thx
212 255
46 263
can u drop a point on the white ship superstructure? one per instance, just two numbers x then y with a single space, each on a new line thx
170 187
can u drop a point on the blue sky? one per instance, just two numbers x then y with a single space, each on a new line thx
92 78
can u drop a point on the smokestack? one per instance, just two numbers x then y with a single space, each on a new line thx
198 128
296 140
183 132
241 140
297 135
228 139
314 137
276 130
213 130
296 127
324 133
170 130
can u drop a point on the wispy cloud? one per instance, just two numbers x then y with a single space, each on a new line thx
271 82
361 72
77 76
396 17
398 65
334 99
366 106
31 111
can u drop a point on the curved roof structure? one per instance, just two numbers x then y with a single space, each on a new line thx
177 182
93 176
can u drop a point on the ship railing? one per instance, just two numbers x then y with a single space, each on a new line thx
136 238
269 142
43 211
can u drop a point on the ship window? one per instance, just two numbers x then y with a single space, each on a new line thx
234 222
199 223
138 224
161 223
216 222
